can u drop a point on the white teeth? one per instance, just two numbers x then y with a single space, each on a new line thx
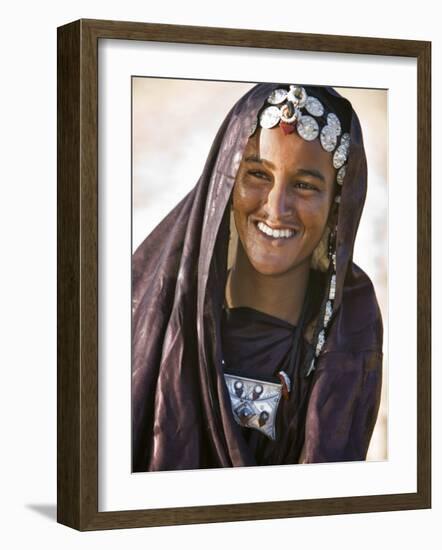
275 233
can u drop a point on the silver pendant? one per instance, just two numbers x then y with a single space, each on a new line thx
297 95
288 117
254 403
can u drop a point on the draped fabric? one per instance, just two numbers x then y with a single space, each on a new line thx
181 411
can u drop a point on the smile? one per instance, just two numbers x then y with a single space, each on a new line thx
275 233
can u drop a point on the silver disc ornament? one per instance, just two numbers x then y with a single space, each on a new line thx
340 156
307 128
314 106
328 138
341 174
333 121
345 140
277 96
270 117
297 95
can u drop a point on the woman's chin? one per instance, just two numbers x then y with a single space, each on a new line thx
271 268
278 266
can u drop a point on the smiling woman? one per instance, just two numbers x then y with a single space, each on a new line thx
285 184
277 358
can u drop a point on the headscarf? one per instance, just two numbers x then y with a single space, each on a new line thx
181 410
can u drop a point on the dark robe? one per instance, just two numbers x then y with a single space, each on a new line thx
181 411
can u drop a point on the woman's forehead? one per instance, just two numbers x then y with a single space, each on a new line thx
276 147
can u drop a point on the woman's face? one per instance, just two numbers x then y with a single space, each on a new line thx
281 199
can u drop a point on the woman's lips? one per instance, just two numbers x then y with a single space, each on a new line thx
275 233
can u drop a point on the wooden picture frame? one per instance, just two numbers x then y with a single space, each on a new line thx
77 309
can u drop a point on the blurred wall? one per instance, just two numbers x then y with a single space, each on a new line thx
174 123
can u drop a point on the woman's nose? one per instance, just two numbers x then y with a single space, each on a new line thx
278 203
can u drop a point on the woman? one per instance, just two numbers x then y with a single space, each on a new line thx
278 358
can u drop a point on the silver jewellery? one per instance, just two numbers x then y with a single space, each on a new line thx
326 309
292 109
254 403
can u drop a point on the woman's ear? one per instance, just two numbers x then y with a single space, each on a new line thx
320 261
233 240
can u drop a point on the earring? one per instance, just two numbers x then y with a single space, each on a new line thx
326 310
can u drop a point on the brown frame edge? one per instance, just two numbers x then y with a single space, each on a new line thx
77 274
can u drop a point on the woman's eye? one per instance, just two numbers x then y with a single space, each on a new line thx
258 174
304 185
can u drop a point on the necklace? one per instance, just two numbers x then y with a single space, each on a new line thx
255 402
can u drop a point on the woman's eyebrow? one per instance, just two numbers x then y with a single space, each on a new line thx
310 172
257 158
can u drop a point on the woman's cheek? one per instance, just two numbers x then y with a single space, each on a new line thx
254 199
245 200
315 212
